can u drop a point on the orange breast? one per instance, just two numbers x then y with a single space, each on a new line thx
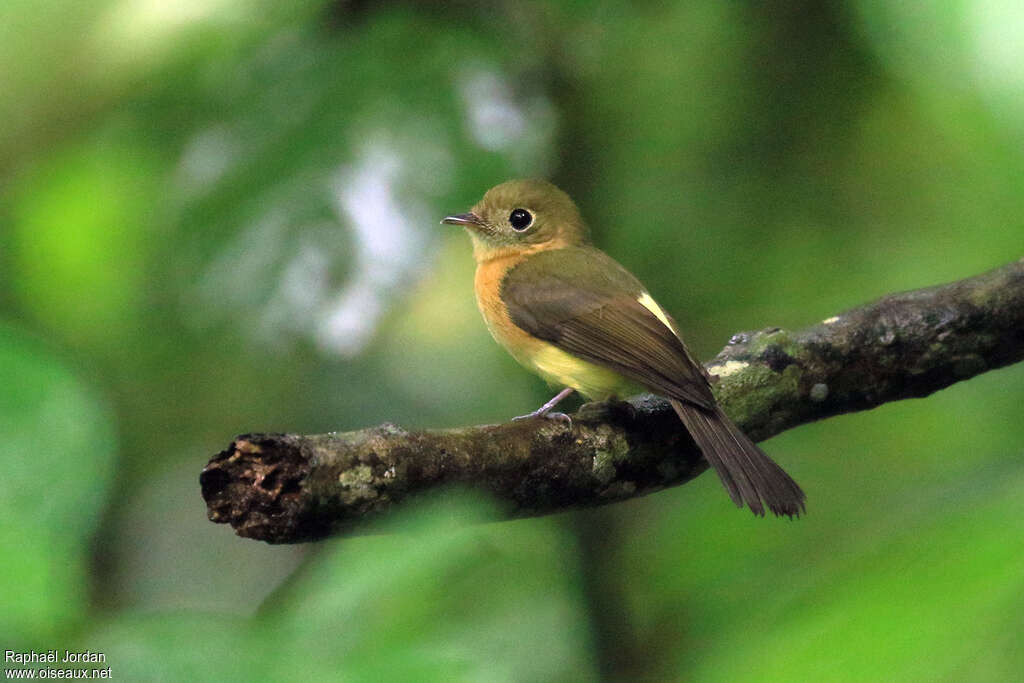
487 284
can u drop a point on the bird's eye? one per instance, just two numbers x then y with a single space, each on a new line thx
520 219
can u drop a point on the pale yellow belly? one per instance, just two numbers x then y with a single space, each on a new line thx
565 370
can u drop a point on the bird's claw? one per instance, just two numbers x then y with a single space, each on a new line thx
546 415
560 417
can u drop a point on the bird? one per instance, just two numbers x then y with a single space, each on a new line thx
573 315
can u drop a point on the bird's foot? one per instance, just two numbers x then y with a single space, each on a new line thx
545 410
546 415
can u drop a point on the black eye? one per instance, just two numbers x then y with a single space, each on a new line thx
520 219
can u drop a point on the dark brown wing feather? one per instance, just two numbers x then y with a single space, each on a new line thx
585 303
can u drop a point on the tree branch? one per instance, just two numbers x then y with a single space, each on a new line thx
287 488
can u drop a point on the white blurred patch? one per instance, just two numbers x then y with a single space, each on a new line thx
295 304
501 120
207 156
495 120
388 244
328 280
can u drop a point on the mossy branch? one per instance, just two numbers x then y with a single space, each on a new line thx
288 488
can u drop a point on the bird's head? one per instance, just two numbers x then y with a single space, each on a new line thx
521 216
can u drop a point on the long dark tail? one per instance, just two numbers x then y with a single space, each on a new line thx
746 471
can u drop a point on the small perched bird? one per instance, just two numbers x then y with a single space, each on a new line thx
567 311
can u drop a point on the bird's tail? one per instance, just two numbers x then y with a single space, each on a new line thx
747 473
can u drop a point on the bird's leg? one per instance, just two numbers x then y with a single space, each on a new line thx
545 410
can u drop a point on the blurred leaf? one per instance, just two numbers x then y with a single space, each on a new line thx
57 455
445 595
902 604
182 647
441 596
80 238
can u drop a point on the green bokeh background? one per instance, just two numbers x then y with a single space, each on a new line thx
220 216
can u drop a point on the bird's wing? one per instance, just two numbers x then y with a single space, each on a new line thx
585 303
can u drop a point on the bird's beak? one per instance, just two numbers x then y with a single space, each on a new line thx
464 219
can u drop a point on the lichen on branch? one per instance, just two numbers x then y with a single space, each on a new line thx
288 488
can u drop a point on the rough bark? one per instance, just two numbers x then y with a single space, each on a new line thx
287 488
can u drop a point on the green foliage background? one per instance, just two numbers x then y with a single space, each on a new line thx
220 217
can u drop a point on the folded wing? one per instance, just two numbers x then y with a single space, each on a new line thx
585 303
